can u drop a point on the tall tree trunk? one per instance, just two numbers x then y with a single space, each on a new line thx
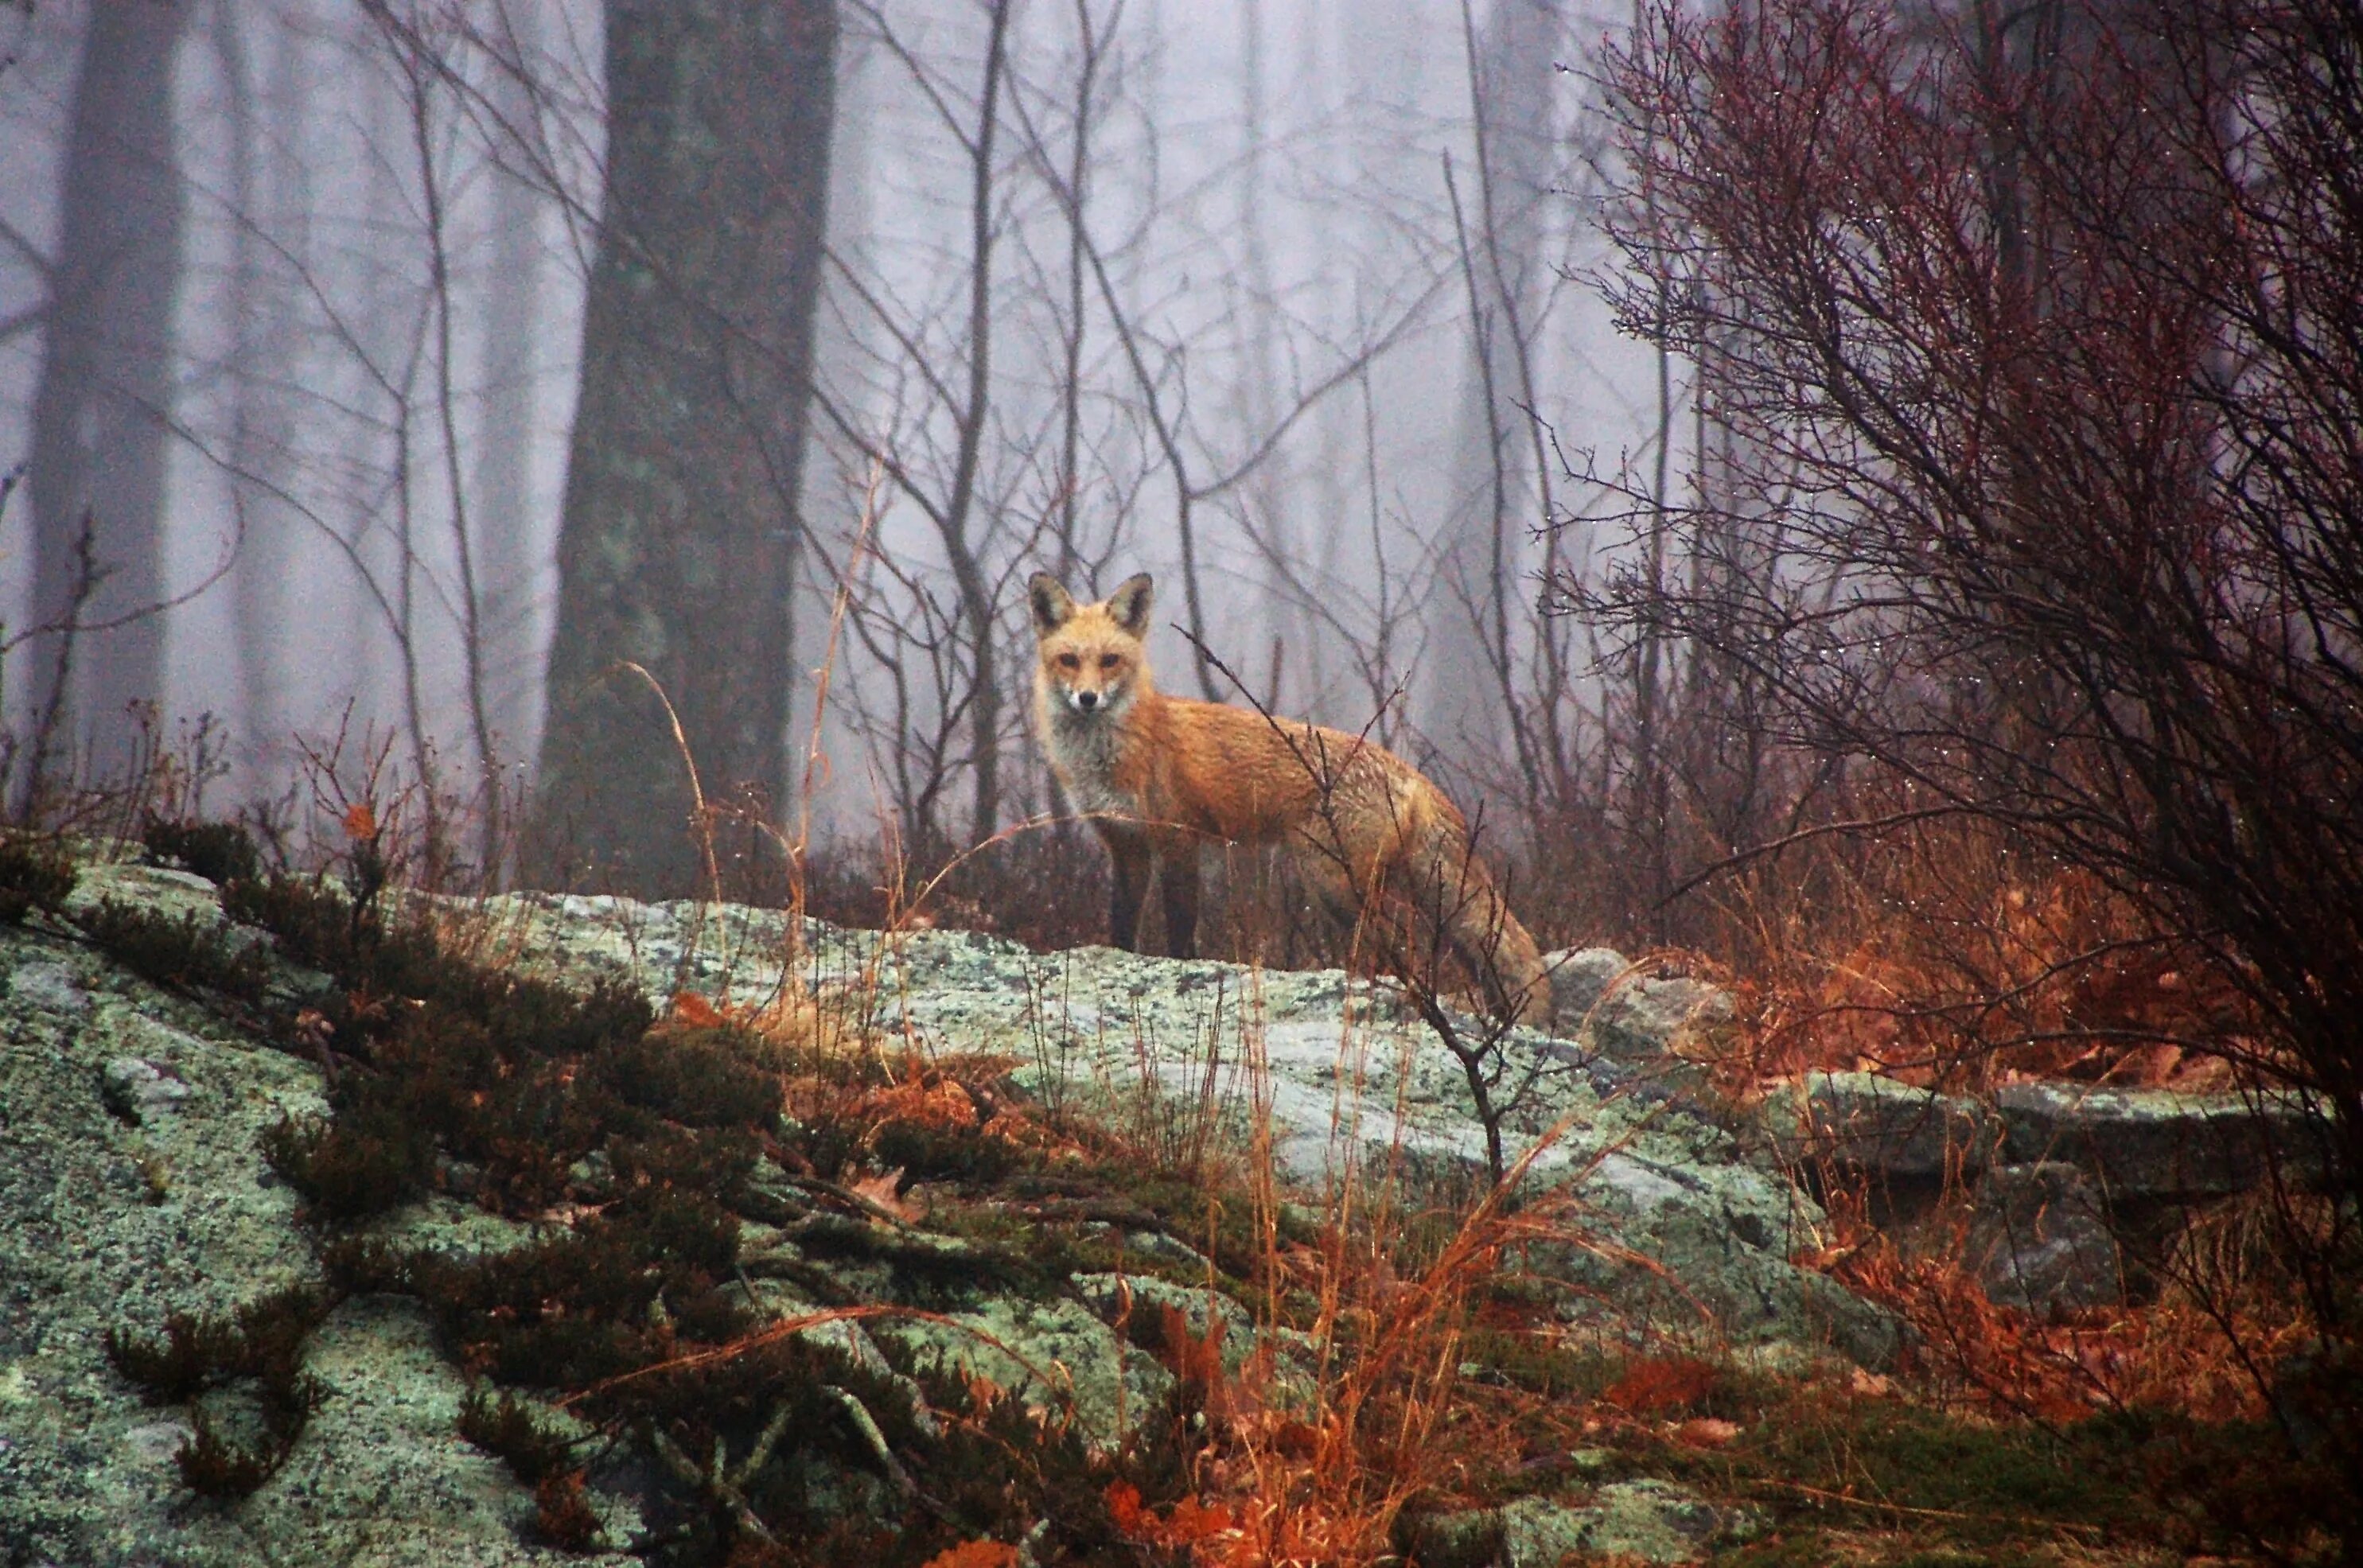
270 182
99 441
1499 477
1266 497
680 528
509 545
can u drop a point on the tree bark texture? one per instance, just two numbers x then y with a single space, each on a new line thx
1495 494
99 439
680 527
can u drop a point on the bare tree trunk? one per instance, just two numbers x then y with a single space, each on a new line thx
977 608
1650 798
1266 498
508 548
681 526
99 440
1504 472
272 186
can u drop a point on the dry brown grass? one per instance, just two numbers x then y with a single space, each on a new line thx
1939 954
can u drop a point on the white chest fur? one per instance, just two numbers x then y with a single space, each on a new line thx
1083 750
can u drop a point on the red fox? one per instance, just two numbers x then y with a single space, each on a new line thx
1161 776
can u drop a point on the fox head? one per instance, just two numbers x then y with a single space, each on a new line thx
1094 657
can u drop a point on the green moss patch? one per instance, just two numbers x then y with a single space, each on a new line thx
633 1148
257 1348
34 875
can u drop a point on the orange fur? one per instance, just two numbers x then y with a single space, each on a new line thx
1162 777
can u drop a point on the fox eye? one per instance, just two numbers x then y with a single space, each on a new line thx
1068 661
1109 660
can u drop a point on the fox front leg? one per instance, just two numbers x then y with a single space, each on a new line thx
1177 880
1128 855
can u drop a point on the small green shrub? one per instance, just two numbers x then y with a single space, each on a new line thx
702 1078
513 1431
365 1163
262 1342
33 875
186 952
563 1515
219 852
263 1338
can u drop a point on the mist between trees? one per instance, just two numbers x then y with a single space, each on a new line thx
1941 598
479 348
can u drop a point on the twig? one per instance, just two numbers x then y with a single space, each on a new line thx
867 1426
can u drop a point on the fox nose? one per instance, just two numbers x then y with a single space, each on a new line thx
1087 700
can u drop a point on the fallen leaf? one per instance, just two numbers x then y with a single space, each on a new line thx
975 1555
690 1008
1870 1383
1124 1505
879 1191
1706 1432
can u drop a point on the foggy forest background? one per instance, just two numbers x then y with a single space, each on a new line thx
1862 502
1282 301
1870 494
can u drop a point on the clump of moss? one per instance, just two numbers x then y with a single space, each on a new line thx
716 1163
513 1431
640 1307
563 1515
216 1466
621 1289
263 1338
701 1077
33 875
966 1155
1227 1233
315 924
926 1275
357 1166
505 1073
379 960
219 852
260 1342
186 952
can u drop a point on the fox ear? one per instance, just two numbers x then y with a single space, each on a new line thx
1129 605
1053 605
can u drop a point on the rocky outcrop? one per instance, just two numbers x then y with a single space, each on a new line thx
1346 1078
2040 1239
2053 1179
132 1187
2137 1144
2156 1144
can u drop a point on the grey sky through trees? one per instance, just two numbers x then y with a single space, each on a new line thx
373 359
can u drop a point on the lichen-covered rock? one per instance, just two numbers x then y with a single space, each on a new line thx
1658 1521
2040 1238
1055 1354
1129 1298
140 1090
1877 1124
1619 1009
1644 1520
47 986
2156 1144
1580 976
390 1429
1716 1238
1348 1081
131 1187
